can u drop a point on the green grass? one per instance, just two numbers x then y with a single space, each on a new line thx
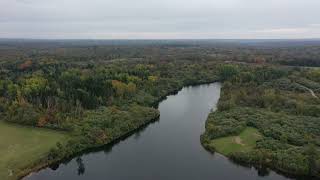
21 146
245 142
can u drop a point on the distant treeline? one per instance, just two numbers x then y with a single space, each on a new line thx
284 52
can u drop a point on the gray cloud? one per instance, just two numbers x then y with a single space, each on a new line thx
159 19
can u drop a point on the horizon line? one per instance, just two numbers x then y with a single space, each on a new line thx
128 39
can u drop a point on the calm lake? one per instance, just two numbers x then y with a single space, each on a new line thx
166 149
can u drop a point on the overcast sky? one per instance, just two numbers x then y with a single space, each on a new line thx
159 19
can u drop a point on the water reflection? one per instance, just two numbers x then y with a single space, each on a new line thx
81 167
166 149
262 171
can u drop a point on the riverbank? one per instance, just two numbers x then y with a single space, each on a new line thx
246 147
155 147
284 114
45 163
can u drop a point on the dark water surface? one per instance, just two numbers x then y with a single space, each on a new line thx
167 149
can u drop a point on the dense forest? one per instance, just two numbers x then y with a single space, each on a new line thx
99 91
96 102
282 104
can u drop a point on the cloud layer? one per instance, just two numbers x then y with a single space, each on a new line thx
159 19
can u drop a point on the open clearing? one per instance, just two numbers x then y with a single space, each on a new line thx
21 146
245 141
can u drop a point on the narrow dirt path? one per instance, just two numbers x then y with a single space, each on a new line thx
310 90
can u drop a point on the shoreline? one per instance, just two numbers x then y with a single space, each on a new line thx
111 142
37 166
257 166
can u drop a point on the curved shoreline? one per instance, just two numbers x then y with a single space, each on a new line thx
37 166
267 166
113 141
256 166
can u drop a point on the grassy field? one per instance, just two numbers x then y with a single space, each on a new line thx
245 141
20 146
